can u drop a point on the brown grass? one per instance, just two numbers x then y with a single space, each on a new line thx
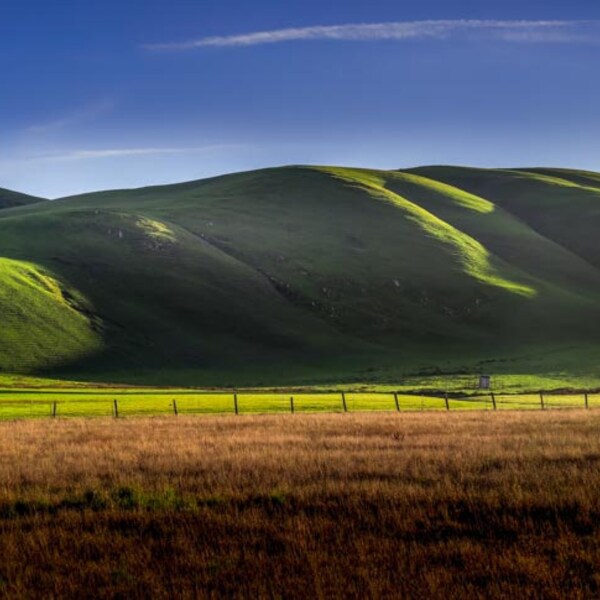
333 506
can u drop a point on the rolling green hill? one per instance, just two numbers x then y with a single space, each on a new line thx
305 275
10 199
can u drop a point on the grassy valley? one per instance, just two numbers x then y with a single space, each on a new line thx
353 306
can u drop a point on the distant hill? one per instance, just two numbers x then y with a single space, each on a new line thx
10 199
307 274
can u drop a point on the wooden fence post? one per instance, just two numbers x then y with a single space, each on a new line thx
54 409
344 402
397 401
235 404
447 401
115 409
542 400
587 404
493 400
292 404
175 411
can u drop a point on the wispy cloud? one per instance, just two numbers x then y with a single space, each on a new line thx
509 31
76 117
94 154
120 152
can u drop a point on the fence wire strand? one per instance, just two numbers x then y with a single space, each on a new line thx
197 403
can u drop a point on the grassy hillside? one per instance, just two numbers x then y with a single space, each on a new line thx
310 274
10 199
44 324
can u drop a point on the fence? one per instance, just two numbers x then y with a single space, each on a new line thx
188 403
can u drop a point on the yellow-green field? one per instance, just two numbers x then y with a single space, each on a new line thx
78 402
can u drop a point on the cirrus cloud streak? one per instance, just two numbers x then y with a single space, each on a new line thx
103 153
509 31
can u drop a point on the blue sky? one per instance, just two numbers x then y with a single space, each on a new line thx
99 95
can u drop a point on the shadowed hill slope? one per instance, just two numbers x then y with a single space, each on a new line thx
307 274
561 205
10 199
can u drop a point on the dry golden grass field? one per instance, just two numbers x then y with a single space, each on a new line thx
459 505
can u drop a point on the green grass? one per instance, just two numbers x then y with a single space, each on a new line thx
309 276
10 199
473 256
16 403
43 324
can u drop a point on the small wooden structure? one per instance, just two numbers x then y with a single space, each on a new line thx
485 382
